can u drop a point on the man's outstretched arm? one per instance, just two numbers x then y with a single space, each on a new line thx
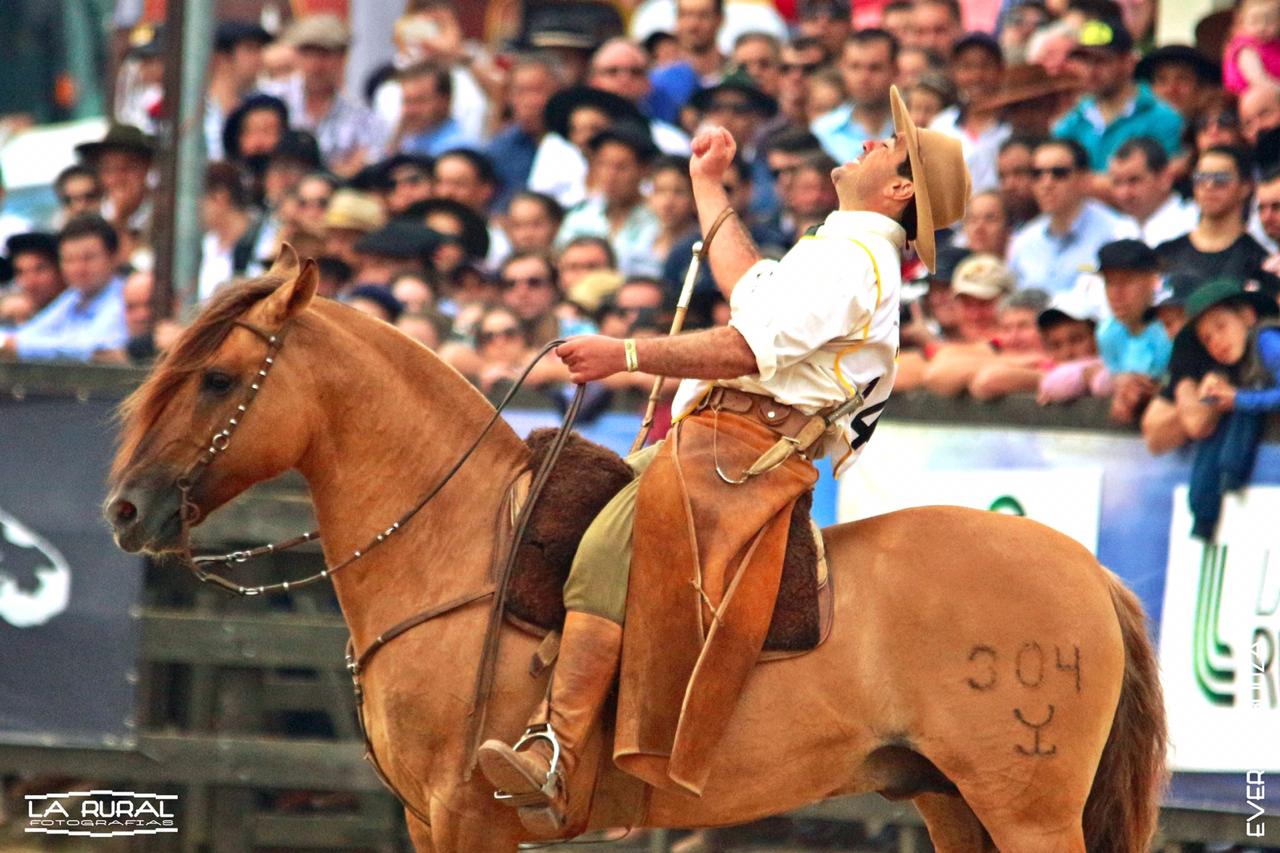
720 353
732 250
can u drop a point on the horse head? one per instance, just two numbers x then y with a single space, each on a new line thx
177 460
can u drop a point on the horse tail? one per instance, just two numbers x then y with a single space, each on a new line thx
1124 803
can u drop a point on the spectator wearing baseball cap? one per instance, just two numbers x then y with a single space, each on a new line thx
978 283
1067 329
234 69
1116 107
1133 344
349 133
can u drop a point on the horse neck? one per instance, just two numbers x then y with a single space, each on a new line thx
397 420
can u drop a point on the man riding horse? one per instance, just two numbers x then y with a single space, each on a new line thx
801 371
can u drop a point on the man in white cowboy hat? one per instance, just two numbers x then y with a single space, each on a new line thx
807 334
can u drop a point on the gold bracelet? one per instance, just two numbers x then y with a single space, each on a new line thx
629 349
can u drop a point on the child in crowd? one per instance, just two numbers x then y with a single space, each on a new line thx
1242 389
1068 329
1252 57
1065 332
1133 345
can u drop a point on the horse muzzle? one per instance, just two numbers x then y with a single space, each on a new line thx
145 517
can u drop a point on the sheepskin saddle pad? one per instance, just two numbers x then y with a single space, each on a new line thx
585 477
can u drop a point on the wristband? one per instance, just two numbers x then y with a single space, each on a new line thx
629 349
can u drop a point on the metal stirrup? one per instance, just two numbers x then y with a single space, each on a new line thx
542 731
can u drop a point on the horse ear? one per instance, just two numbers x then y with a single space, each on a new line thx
292 298
286 263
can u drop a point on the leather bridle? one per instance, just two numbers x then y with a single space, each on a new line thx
357 663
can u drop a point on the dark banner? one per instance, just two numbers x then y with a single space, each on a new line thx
68 645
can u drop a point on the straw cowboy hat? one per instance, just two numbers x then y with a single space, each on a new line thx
939 175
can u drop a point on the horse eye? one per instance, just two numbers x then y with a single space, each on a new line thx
217 382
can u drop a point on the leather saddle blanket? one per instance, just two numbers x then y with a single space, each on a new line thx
585 478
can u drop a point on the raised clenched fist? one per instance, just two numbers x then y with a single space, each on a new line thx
713 150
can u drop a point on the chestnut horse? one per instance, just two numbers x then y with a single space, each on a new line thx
983 665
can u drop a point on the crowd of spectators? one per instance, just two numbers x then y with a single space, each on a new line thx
489 198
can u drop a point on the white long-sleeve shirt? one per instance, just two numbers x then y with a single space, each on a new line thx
822 323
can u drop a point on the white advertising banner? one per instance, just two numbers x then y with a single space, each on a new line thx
1220 636
908 466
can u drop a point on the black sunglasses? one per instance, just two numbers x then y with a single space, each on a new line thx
1059 173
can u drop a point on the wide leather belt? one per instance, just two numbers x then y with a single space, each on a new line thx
779 417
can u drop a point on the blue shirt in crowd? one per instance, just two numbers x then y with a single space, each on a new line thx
71 327
511 151
842 136
445 136
1052 262
1124 352
1264 399
1147 115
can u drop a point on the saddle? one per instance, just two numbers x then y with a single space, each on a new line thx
585 478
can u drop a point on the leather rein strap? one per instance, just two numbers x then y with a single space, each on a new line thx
357 664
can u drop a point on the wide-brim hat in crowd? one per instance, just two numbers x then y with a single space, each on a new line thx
1219 290
354 211
741 82
563 103
236 118
1206 70
938 174
120 137
1024 83
475 231
31 241
325 31
400 238
982 276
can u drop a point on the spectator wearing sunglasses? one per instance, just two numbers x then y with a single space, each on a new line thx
801 57
405 179
78 192
1050 251
1219 245
310 199
1116 109
532 292
621 67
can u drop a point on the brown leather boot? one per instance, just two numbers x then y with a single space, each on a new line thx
534 775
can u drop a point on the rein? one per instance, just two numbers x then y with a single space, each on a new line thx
357 664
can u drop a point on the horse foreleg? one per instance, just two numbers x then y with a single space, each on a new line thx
953 827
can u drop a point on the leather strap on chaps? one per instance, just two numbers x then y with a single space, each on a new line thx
705 573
